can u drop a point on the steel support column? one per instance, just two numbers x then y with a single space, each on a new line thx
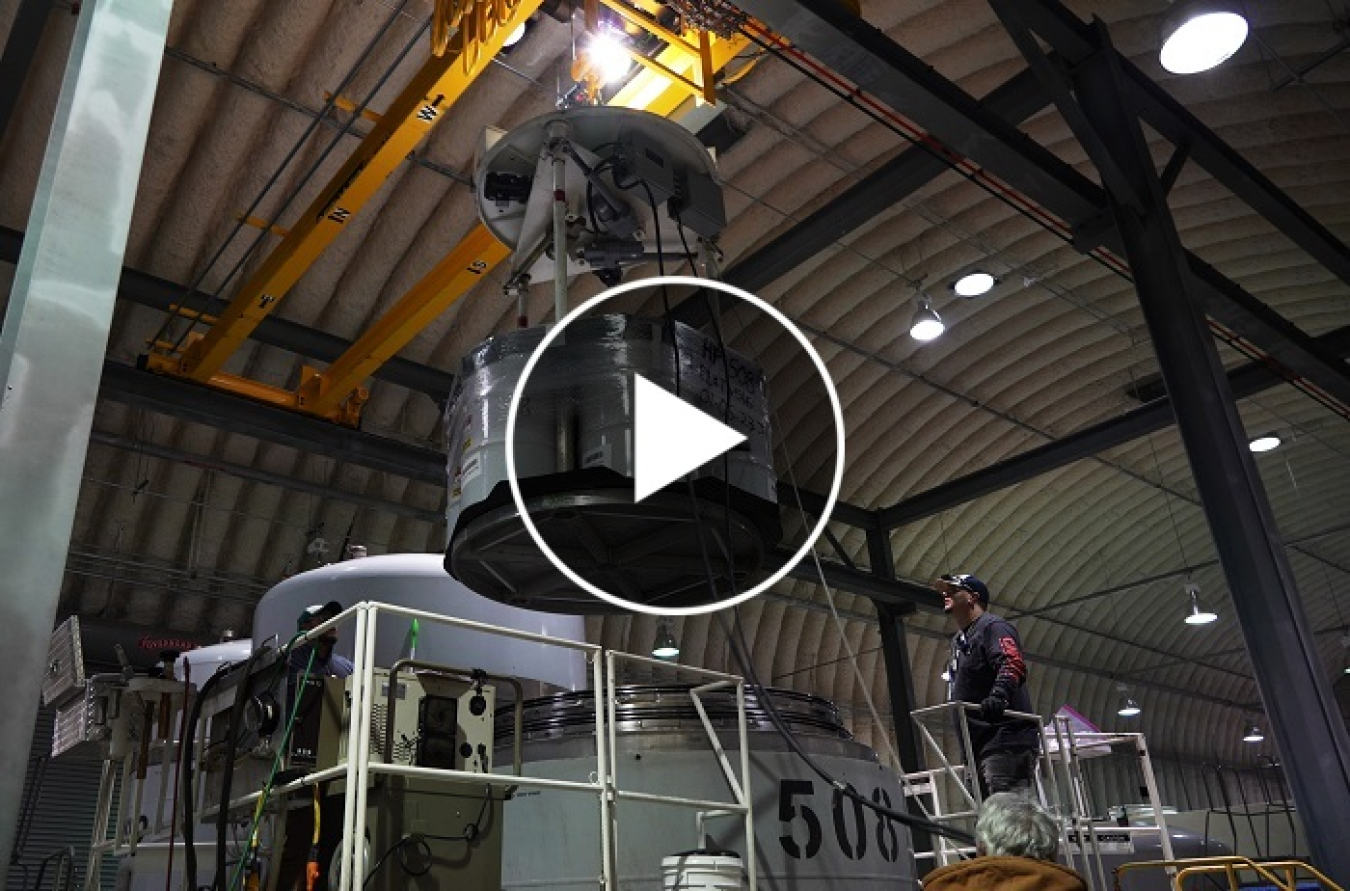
56 331
899 676
1307 723
20 48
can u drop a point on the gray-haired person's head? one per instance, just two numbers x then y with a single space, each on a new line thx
1012 825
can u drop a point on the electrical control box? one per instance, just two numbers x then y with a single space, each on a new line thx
639 158
698 204
438 721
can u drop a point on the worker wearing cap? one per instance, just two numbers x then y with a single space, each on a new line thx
300 846
326 662
987 670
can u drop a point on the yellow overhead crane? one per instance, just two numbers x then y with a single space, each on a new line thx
684 67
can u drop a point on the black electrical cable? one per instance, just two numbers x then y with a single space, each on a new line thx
741 651
227 772
189 734
415 840
472 831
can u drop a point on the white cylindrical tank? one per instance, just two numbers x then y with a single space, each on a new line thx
205 660
807 836
419 581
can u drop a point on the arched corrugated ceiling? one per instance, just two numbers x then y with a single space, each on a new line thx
1091 557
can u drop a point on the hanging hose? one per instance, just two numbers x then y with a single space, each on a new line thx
312 867
178 767
189 734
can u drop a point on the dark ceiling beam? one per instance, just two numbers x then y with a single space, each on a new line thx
253 475
213 408
1247 380
1013 101
161 294
813 503
902 595
1073 39
880 67
20 49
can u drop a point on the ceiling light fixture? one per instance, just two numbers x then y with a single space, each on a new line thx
974 284
609 56
1264 443
1200 34
1253 734
1198 614
515 36
1128 707
665 646
926 324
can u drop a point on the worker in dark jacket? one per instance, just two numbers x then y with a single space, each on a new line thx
987 670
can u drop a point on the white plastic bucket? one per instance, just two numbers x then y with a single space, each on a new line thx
702 872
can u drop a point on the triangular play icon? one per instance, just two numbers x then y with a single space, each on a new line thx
672 438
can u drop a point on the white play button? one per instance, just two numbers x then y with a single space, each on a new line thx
672 438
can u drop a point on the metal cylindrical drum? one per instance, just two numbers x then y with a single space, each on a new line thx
476 422
419 581
588 375
807 836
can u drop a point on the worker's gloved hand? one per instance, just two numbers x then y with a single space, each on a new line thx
993 706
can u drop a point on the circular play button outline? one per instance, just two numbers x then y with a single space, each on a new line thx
578 312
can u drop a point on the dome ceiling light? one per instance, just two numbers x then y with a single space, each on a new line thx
1264 443
665 646
1198 614
1128 707
1197 35
974 284
926 324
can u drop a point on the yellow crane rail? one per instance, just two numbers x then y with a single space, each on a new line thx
482 29
479 252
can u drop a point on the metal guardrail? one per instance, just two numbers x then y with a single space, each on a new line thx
1230 866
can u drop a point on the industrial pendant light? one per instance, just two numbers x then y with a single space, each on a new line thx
1253 734
1128 707
926 324
665 646
975 283
1264 443
1197 35
1198 614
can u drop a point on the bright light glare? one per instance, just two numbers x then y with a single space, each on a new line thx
609 57
1202 42
1264 443
973 284
515 36
666 652
926 325
1254 735
1201 616
1130 709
